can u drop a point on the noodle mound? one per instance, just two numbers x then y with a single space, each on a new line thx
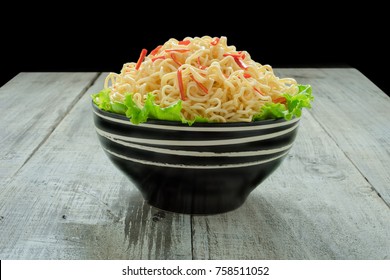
212 79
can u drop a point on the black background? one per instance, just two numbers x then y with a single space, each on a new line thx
103 40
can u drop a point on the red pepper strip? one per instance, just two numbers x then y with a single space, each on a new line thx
241 63
184 42
181 86
215 41
141 58
202 87
155 51
258 91
173 56
280 99
158 57
177 50
247 75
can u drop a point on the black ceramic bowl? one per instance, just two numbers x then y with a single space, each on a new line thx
200 169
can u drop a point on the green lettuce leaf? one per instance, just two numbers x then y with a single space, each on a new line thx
197 119
102 100
133 112
119 108
170 113
151 110
271 111
292 108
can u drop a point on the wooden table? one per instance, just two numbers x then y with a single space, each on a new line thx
61 198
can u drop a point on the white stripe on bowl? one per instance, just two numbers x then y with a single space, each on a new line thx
245 164
199 154
194 142
204 129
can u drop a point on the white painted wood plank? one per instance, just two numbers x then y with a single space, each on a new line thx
317 205
69 202
356 114
31 105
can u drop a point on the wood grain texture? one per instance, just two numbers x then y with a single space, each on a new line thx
31 106
356 114
63 199
69 202
317 205
322 203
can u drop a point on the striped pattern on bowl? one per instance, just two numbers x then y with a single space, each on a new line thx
200 169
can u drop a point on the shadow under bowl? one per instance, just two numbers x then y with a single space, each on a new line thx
206 168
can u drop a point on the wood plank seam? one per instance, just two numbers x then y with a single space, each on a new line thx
55 125
352 162
192 237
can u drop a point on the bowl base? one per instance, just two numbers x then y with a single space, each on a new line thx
204 207
195 191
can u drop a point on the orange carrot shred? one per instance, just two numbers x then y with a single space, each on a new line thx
184 42
181 86
258 91
202 87
215 41
156 50
177 50
200 65
279 99
158 57
141 58
173 56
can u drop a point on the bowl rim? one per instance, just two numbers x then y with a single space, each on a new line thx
195 124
